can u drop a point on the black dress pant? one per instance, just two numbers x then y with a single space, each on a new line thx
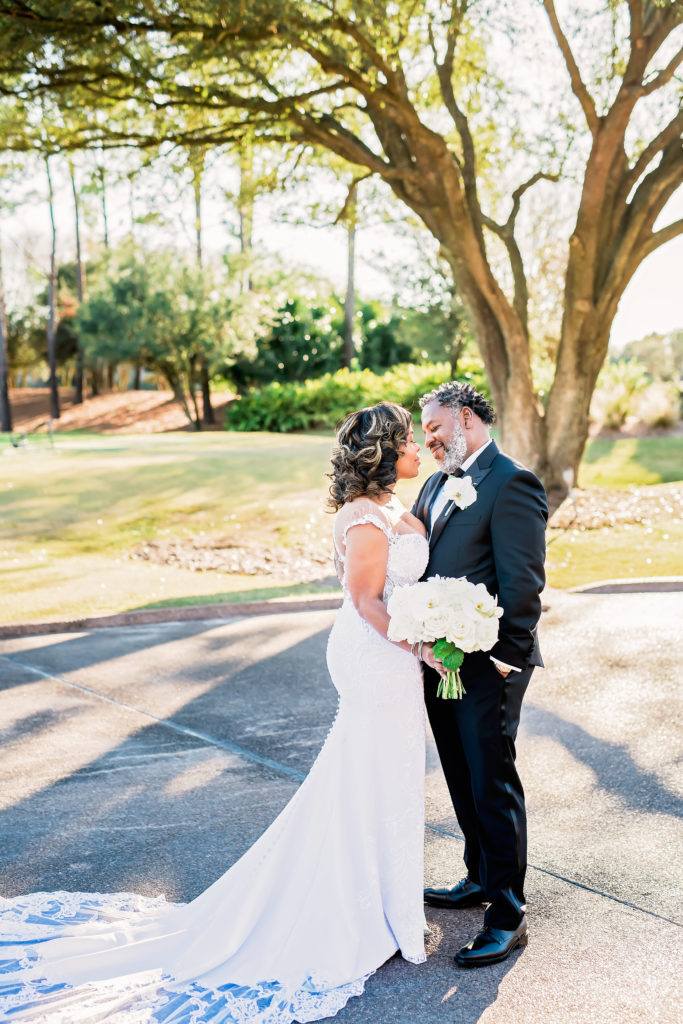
475 737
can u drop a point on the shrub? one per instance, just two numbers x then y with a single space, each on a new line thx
619 383
324 401
659 405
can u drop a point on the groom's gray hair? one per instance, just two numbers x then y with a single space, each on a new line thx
457 395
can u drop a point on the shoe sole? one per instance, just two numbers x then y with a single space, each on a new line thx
519 944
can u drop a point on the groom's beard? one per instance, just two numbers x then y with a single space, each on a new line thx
454 454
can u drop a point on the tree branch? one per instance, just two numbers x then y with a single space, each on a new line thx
444 72
670 132
521 297
521 189
350 197
578 86
663 236
663 76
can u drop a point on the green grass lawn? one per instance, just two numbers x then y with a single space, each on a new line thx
70 516
632 461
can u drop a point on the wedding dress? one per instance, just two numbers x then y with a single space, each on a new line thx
330 891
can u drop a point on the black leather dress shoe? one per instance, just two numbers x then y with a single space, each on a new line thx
491 945
465 894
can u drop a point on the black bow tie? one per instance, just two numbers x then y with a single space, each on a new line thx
459 472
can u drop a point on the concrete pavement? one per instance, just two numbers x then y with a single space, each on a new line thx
149 757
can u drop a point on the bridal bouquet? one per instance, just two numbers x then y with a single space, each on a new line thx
455 615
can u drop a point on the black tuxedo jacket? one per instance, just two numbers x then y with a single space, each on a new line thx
499 541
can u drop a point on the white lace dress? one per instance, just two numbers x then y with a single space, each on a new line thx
328 893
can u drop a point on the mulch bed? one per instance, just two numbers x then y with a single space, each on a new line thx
591 509
300 563
598 507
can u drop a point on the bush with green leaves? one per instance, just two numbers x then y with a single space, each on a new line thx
619 384
660 405
323 402
302 343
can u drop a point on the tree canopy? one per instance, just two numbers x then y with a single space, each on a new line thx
461 107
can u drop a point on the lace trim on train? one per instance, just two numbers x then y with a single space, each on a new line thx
28 921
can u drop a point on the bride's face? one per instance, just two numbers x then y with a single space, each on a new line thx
408 461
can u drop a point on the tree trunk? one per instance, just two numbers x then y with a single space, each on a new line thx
179 395
136 377
52 299
80 285
5 407
111 367
103 199
197 164
245 209
199 158
350 300
457 346
209 415
96 381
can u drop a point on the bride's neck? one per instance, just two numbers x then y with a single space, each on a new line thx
384 499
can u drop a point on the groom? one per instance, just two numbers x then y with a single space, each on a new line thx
498 540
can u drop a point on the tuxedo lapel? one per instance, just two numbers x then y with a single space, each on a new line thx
438 526
430 492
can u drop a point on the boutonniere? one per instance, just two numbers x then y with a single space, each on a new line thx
460 490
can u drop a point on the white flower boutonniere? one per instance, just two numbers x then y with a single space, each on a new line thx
460 490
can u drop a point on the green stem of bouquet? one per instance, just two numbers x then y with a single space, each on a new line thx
451 686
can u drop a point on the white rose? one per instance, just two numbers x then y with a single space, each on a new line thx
438 622
487 633
461 632
460 490
484 602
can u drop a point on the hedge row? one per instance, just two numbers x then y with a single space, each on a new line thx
323 401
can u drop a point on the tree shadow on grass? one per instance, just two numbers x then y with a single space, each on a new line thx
327 586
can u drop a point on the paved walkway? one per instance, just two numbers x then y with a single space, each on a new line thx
149 757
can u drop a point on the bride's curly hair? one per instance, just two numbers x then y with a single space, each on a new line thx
364 456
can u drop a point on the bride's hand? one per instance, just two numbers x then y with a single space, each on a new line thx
429 659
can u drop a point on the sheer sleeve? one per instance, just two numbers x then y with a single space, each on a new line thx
357 513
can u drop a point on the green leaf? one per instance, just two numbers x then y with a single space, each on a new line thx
454 660
443 648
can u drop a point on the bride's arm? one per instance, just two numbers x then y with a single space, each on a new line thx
367 552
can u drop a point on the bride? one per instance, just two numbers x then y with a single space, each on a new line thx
333 888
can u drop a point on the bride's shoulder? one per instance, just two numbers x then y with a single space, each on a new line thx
361 507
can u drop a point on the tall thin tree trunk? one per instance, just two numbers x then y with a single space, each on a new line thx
197 173
52 299
350 300
197 180
197 424
5 407
103 200
80 285
136 377
245 209
131 207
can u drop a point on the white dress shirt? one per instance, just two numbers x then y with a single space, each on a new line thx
439 505
441 500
